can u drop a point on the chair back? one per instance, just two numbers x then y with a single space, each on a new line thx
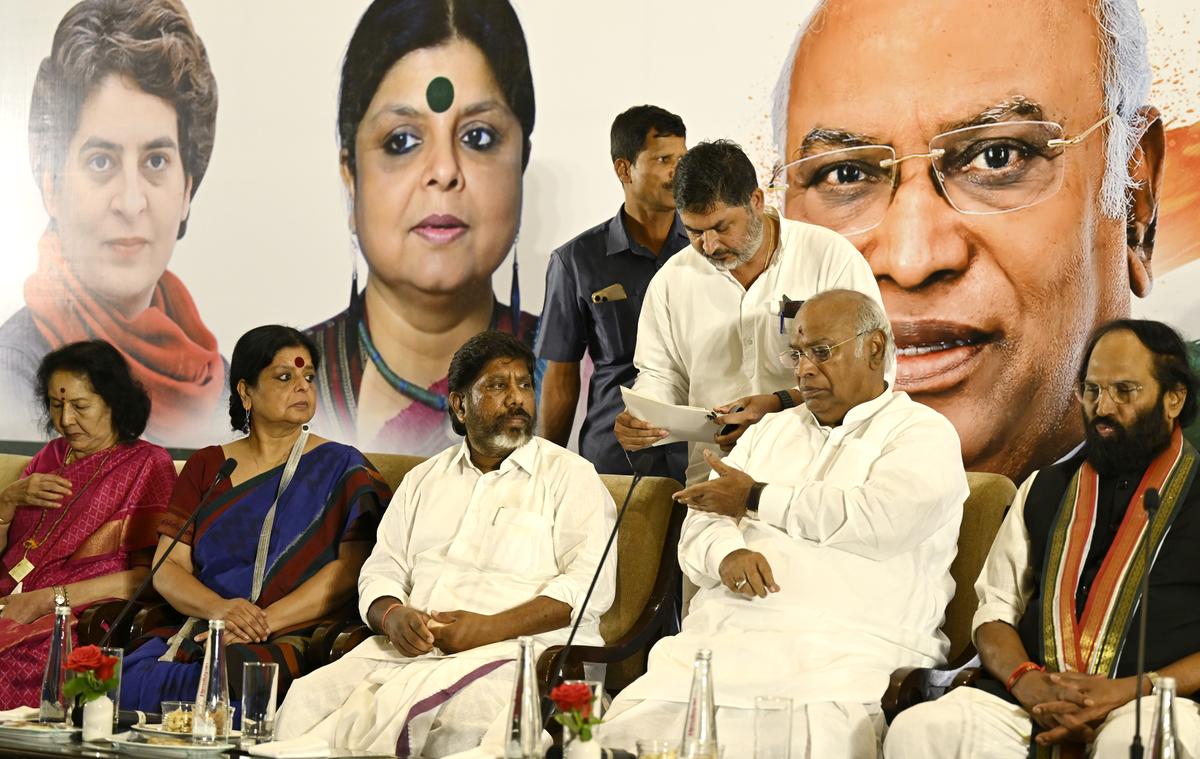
989 499
11 467
641 548
393 466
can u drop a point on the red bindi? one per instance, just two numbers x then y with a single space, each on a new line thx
299 361
62 391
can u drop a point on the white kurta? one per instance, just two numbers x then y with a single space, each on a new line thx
704 340
859 524
456 538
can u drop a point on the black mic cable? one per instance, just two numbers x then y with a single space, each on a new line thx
1150 502
555 676
224 472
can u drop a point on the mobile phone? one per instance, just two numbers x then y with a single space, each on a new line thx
731 427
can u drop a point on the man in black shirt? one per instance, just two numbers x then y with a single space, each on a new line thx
1059 595
594 289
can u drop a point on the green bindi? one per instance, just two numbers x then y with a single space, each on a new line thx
440 94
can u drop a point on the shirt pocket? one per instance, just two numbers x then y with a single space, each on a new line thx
616 325
520 542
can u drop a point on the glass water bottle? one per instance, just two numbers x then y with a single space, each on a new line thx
212 714
525 728
1164 739
700 727
55 706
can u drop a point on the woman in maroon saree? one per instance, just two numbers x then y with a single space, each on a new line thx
318 530
81 523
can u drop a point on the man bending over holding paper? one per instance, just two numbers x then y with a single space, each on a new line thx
822 548
716 315
493 539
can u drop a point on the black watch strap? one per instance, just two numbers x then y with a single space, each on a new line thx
754 495
785 399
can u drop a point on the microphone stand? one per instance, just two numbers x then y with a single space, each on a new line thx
1150 503
226 470
555 676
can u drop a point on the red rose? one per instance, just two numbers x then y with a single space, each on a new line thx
108 666
90 659
573 697
86 659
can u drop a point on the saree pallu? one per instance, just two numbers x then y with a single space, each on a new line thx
108 524
335 497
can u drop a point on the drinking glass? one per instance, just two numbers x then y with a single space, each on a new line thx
772 727
654 748
259 683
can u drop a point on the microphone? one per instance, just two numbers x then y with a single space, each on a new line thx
641 467
1150 502
223 473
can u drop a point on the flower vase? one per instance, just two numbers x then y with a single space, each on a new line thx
581 749
98 719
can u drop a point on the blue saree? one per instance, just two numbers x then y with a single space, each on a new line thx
336 496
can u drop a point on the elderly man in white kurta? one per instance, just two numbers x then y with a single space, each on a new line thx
822 547
490 540
716 316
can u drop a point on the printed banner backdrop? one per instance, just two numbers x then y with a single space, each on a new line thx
268 230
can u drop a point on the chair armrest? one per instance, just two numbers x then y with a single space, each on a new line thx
966 677
152 617
346 640
96 620
906 688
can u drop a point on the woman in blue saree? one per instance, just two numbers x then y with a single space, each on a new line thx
276 549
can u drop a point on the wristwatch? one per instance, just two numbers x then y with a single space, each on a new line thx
60 596
786 401
752 497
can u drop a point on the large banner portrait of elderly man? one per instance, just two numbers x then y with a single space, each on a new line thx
121 126
1001 168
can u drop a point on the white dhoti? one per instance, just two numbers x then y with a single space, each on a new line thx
375 699
968 722
819 730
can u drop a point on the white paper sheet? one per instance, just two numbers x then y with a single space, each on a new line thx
683 422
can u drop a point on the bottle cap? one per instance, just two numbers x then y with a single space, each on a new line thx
216 624
62 611
704 654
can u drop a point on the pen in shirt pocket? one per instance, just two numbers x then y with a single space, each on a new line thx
786 308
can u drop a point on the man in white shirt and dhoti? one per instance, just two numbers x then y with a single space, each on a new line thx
490 540
822 548
716 316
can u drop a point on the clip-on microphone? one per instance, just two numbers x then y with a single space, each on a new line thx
1150 501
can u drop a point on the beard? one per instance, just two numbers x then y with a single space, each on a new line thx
732 258
1128 449
494 436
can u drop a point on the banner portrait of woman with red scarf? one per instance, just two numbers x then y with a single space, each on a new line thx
121 129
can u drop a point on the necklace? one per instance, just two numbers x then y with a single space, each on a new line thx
421 395
22 568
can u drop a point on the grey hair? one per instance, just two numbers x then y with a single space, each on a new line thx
1127 76
868 317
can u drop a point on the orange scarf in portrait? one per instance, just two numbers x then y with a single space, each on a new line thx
169 349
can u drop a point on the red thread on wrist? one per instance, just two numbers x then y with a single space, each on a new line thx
386 612
1021 671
